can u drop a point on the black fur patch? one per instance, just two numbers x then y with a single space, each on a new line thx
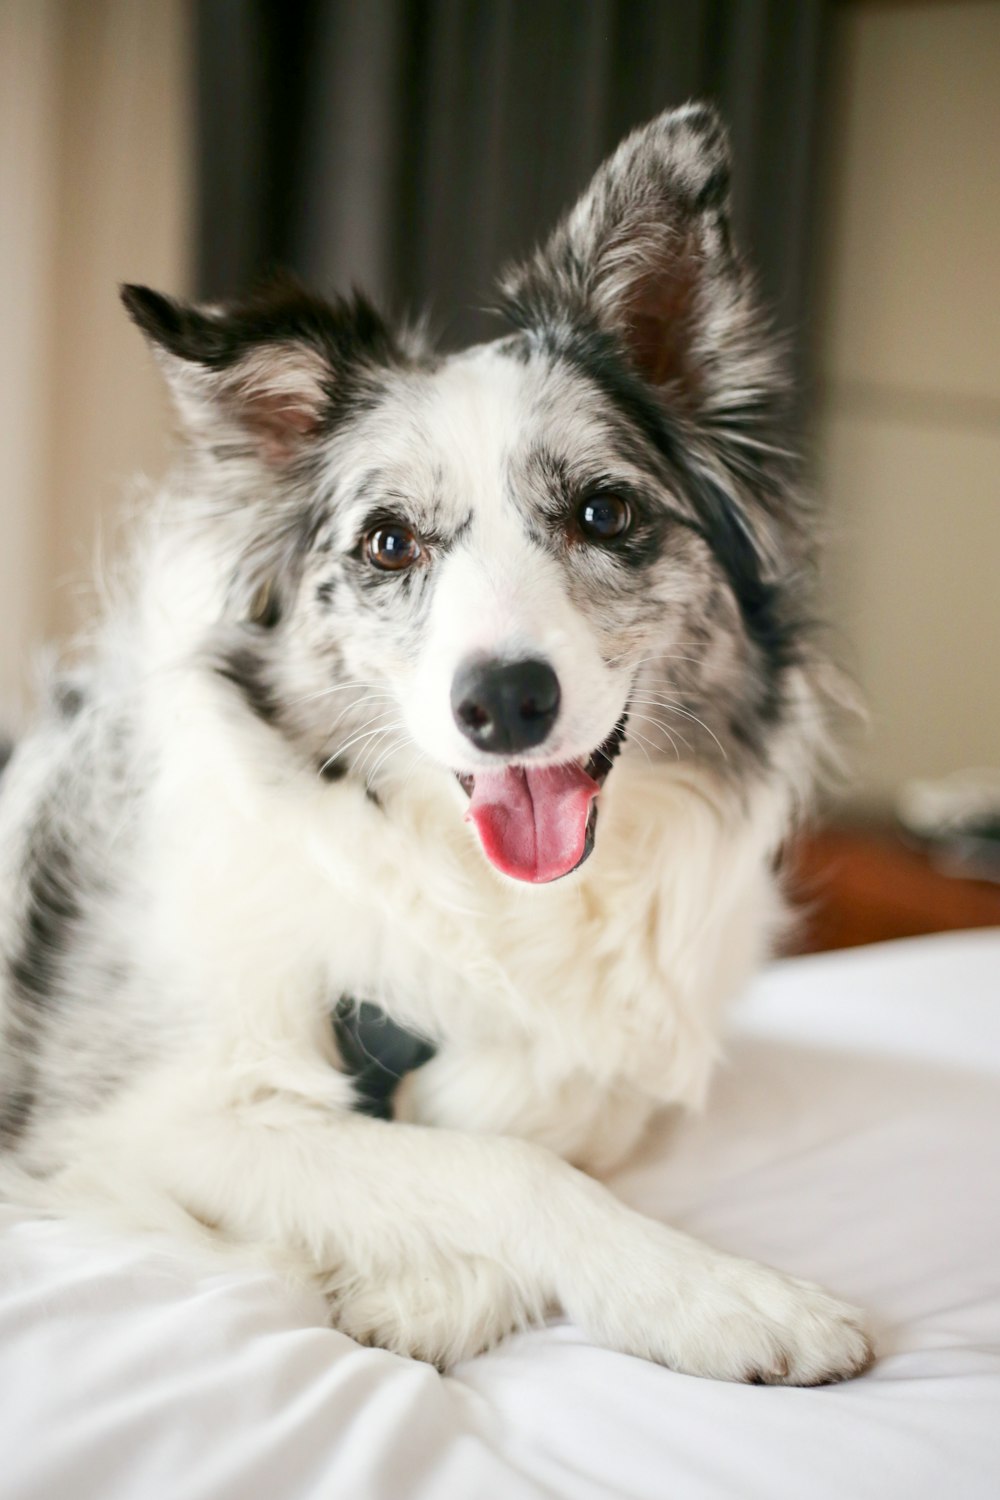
16 1109
714 194
770 622
376 1053
6 751
244 669
349 334
69 699
52 913
279 313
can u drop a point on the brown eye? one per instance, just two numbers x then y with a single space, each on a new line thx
604 518
392 547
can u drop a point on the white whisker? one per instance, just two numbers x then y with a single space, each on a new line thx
362 734
368 698
672 706
341 687
658 724
375 749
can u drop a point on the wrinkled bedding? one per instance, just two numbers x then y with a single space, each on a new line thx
853 1137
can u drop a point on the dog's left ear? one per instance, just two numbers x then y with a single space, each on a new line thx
646 254
264 375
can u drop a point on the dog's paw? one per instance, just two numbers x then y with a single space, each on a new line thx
704 1313
440 1310
753 1324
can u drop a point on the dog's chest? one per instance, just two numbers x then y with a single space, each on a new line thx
617 973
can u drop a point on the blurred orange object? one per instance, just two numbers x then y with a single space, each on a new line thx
866 884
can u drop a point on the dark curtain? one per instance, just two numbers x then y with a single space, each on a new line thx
412 147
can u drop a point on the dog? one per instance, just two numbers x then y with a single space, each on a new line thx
393 855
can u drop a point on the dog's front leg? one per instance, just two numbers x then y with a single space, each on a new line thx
494 1089
435 1243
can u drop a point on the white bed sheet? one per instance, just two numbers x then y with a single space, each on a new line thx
854 1137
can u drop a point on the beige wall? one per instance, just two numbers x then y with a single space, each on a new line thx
27 196
94 184
910 355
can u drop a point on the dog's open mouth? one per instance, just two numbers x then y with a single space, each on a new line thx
536 823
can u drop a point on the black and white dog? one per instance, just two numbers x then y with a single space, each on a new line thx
406 640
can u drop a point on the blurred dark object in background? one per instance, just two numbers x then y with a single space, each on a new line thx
957 819
412 147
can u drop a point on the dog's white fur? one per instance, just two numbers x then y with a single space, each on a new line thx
571 1012
257 890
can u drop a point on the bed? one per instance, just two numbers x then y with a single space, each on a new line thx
853 1137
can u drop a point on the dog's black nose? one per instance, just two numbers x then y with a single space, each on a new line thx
503 707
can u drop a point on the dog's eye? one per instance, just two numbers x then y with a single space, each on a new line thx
604 518
392 547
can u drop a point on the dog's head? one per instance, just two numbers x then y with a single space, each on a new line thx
511 560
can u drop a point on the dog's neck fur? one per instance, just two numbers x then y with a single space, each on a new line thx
677 889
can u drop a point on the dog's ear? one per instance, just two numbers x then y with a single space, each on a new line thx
646 255
265 374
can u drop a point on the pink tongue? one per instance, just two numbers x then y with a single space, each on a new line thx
533 823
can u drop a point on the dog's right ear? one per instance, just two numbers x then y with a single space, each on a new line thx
265 375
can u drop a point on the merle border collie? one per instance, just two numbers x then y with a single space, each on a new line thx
452 713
